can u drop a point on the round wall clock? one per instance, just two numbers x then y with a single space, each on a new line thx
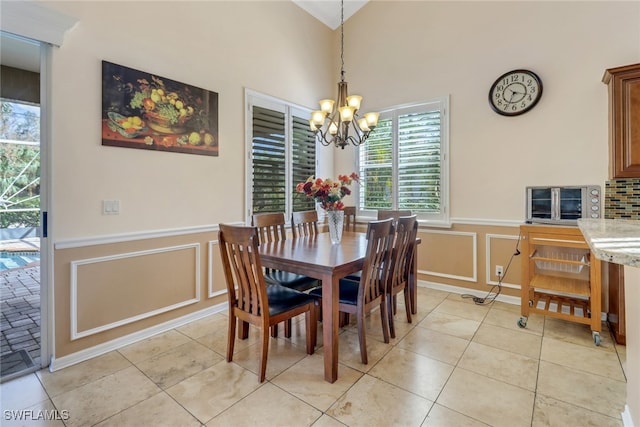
515 92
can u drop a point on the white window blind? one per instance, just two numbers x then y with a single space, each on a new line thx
282 154
403 165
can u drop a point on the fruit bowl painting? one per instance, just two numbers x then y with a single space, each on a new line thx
146 111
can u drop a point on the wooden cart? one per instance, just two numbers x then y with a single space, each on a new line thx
560 276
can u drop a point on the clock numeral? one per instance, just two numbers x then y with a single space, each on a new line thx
524 104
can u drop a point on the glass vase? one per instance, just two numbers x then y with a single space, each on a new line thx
335 220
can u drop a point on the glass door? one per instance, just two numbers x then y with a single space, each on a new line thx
20 209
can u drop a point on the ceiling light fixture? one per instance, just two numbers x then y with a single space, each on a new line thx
334 119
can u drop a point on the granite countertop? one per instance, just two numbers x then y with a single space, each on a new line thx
613 240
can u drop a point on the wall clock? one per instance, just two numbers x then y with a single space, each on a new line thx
515 92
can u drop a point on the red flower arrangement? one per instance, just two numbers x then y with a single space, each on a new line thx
327 192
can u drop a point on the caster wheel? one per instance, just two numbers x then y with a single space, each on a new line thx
522 322
596 338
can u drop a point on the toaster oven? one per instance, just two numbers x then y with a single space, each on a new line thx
563 204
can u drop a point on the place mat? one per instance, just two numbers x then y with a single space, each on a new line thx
17 361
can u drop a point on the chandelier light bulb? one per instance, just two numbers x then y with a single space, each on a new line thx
326 105
354 101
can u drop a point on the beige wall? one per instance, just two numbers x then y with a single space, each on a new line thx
399 52
396 52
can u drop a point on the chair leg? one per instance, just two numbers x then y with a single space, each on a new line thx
392 329
262 371
287 328
243 331
274 331
384 318
362 337
407 303
231 336
311 326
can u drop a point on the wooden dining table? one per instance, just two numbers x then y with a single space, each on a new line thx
315 256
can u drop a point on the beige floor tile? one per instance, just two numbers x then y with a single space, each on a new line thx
268 406
509 320
217 341
281 356
173 366
512 308
349 351
457 306
213 390
576 333
590 359
439 416
413 372
372 402
153 346
450 324
72 377
428 299
551 412
327 421
515 341
622 355
42 414
305 380
501 365
157 410
485 399
207 325
107 396
443 347
582 389
21 393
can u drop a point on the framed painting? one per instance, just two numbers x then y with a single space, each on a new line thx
146 111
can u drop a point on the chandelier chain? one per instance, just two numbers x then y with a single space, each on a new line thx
342 40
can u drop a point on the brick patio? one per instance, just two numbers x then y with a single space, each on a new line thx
20 307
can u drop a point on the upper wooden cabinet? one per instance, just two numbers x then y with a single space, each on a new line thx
624 121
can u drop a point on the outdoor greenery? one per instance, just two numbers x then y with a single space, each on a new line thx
19 165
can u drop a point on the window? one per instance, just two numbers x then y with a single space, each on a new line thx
404 163
283 153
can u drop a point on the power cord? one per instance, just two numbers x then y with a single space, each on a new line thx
491 297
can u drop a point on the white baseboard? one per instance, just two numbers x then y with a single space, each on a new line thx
100 349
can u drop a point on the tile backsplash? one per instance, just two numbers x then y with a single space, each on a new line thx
622 198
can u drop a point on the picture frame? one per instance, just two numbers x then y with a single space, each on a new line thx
146 111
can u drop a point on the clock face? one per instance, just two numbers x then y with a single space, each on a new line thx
515 92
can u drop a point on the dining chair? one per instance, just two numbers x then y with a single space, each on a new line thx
400 267
304 223
251 300
395 214
362 296
350 218
271 228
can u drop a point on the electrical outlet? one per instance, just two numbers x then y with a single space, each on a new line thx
499 271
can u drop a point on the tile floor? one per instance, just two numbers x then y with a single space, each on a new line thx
457 364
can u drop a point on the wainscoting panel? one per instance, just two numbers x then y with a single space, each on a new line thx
449 254
219 287
111 291
501 251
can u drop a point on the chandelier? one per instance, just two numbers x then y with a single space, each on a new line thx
335 120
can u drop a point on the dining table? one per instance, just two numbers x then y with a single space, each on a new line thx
315 256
